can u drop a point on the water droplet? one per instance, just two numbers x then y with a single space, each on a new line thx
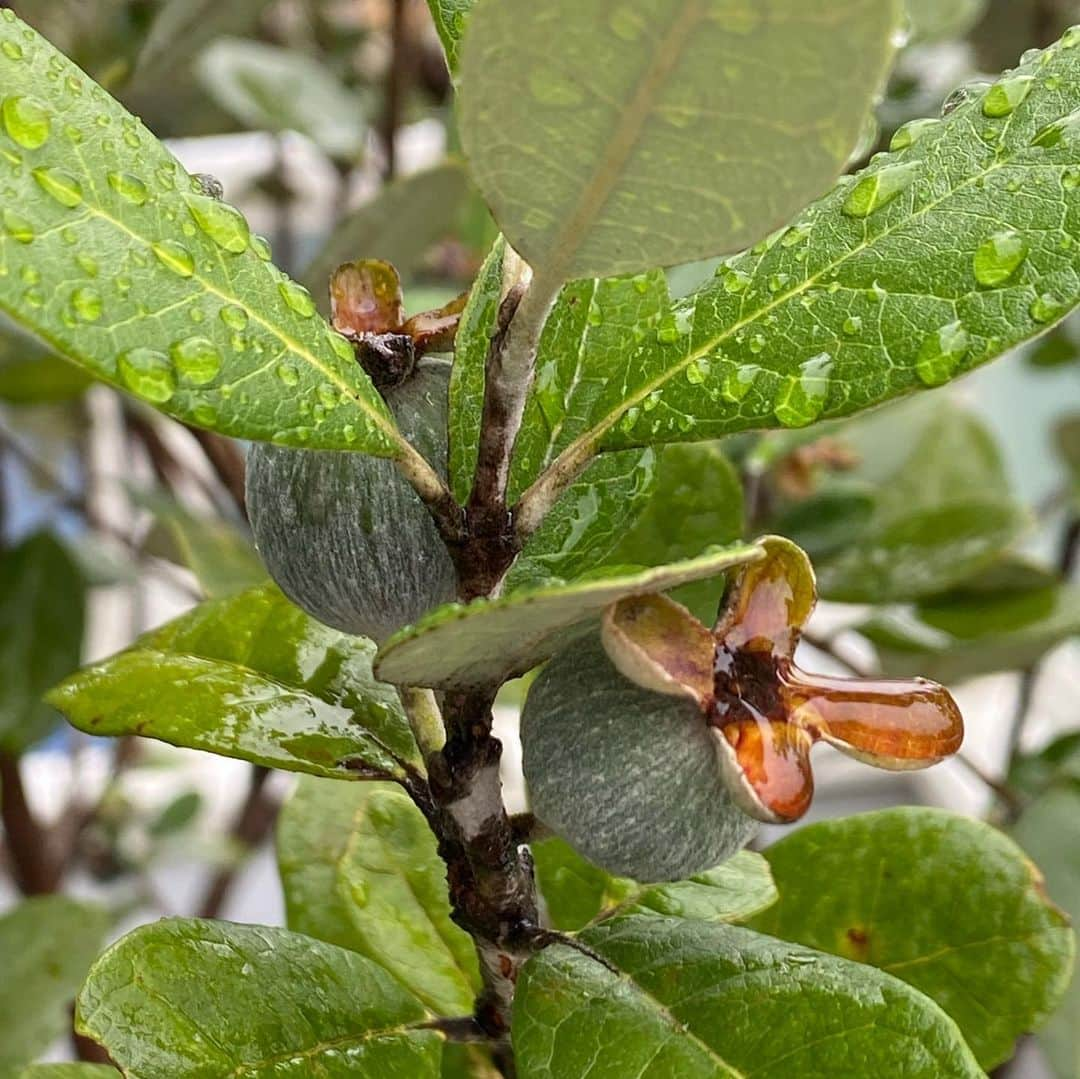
736 280
1071 38
1053 82
288 373
129 187
961 96
852 325
175 257
26 121
877 189
551 88
801 397
197 360
1006 95
341 347
17 227
999 257
328 396
757 343
12 50
261 246
795 235
88 264
698 371
224 224
737 383
148 374
205 415
60 185
941 354
236 318
1046 308
86 304
1070 178
777 281
34 297
30 274
297 297
1055 133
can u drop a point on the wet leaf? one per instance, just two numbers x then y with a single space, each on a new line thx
708 1001
576 892
269 88
587 526
945 903
450 20
252 677
41 632
360 870
488 641
585 187
115 256
843 312
48 944
145 1001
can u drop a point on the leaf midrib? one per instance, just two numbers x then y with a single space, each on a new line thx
663 59
584 446
388 429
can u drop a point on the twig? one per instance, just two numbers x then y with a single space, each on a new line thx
30 846
227 462
397 80
252 825
425 719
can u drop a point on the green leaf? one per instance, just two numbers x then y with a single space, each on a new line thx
700 1001
1058 763
758 108
69 1071
176 815
111 253
488 641
948 904
48 944
398 225
954 638
1047 831
270 88
41 629
576 892
252 677
182 28
222 558
937 20
594 328
478 324
586 526
450 20
360 869
33 375
189 999
943 510
843 312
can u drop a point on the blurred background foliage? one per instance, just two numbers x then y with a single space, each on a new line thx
944 530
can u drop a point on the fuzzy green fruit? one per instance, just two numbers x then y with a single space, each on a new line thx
628 777
343 534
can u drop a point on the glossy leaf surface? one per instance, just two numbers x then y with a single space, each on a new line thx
716 1002
252 677
360 869
115 256
942 902
280 1001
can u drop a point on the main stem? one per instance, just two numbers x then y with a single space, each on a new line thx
489 869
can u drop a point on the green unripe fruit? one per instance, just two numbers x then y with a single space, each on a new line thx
343 534
629 777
